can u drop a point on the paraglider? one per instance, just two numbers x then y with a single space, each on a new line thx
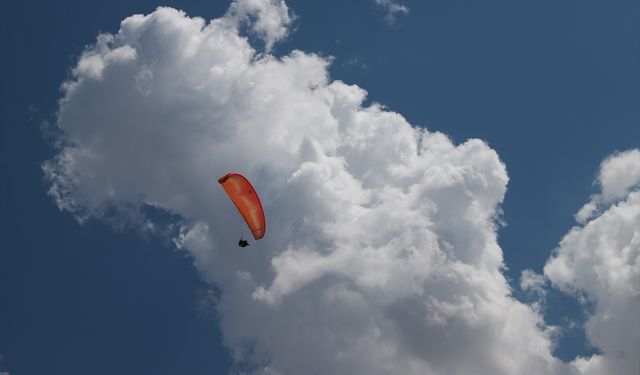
246 200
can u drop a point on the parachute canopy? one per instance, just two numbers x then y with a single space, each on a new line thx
244 196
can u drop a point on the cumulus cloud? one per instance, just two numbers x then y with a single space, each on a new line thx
392 9
268 19
619 173
381 254
600 263
533 283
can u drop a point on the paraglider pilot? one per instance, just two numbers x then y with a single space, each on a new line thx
243 242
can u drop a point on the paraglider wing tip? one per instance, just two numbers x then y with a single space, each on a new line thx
224 178
258 233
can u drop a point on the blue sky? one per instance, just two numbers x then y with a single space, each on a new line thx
552 87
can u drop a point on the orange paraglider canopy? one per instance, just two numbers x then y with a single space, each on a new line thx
244 196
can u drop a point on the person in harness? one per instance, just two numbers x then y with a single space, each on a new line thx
243 242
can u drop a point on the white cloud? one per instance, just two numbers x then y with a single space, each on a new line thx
619 173
588 210
392 9
600 263
532 282
381 253
267 18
